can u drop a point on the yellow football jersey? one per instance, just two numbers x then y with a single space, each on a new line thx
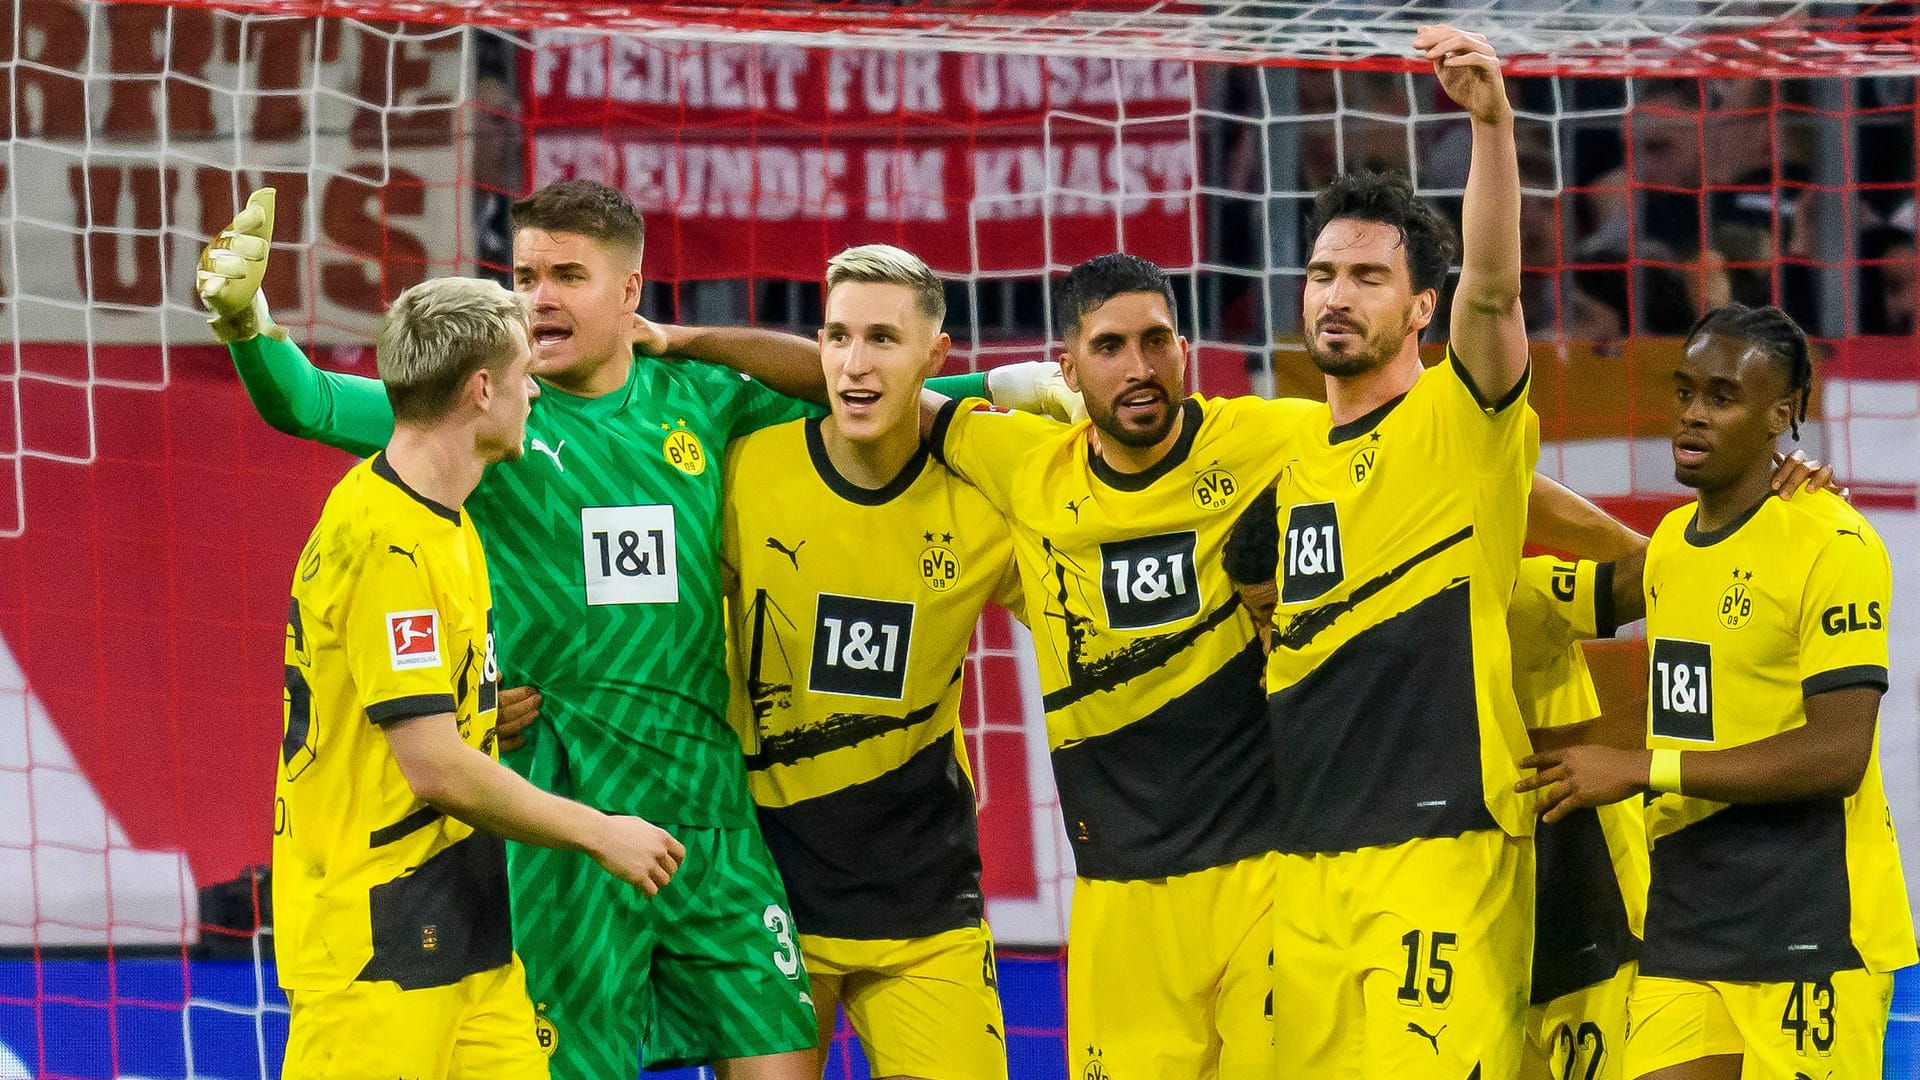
1390 680
1149 668
391 619
847 631
1591 866
1743 624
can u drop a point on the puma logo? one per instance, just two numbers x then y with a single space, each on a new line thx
1416 1029
995 1032
1073 506
552 452
1855 533
792 553
409 555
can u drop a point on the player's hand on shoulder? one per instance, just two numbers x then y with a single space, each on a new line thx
519 708
638 852
1797 471
1575 777
232 266
649 337
1038 387
1468 69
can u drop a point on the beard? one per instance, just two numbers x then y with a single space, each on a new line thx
1106 419
1373 351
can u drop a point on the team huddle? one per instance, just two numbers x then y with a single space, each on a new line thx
1335 776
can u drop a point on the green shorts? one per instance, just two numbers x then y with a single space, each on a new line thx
707 970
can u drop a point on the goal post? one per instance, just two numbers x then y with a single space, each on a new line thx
1674 156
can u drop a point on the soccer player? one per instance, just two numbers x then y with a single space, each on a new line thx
860 569
1592 866
606 542
1404 916
1777 911
389 884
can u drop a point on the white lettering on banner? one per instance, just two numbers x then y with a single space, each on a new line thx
1009 181
586 68
906 185
783 183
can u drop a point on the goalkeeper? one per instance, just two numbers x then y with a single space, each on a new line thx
604 546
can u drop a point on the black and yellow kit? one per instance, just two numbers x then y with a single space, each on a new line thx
850 615
1397 736
1772 928
1149 674
392 932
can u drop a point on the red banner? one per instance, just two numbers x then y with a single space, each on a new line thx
765 160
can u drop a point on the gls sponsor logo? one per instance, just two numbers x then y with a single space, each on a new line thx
1845 619
1149 581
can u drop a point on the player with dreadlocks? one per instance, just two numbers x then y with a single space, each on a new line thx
1777 913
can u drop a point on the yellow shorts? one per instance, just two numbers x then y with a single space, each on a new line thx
480 1028
1171 977
1835 1029
928 1007
1409 961
1581 1035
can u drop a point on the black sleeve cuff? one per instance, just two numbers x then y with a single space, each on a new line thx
406 708
1872 675
1605 622
937 438
1518 391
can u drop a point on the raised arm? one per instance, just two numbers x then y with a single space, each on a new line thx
1487 331
292 395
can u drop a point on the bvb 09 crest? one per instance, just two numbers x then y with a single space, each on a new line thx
1214 489
939 566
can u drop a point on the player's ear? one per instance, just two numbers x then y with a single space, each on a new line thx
1069 373
1780 415
1425 303
479 388
936 356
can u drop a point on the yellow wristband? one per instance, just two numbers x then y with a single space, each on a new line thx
1665 773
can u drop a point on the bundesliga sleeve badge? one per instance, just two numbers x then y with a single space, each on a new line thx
413 639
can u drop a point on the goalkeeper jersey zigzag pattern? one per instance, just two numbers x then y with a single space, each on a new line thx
391 620
605 544
1149 667
1390 677
1744 624
849 629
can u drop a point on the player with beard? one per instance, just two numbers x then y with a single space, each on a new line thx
1777 912
604 543
1403 924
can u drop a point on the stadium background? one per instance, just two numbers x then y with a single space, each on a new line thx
1673 157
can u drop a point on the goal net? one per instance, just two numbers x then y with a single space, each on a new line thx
1675 155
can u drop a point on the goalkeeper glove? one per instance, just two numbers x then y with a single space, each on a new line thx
1035 386
231 269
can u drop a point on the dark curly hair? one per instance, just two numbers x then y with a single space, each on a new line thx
1388 198
1773 332
1100 279
1251 554
586 207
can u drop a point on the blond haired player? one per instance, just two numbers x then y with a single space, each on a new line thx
859 567
1777 911
390 890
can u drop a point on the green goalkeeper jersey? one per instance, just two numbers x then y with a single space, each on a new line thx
603 543
604 540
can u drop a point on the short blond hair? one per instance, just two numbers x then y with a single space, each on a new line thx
884 264
438 333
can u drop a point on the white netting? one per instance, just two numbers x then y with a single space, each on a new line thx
148 520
